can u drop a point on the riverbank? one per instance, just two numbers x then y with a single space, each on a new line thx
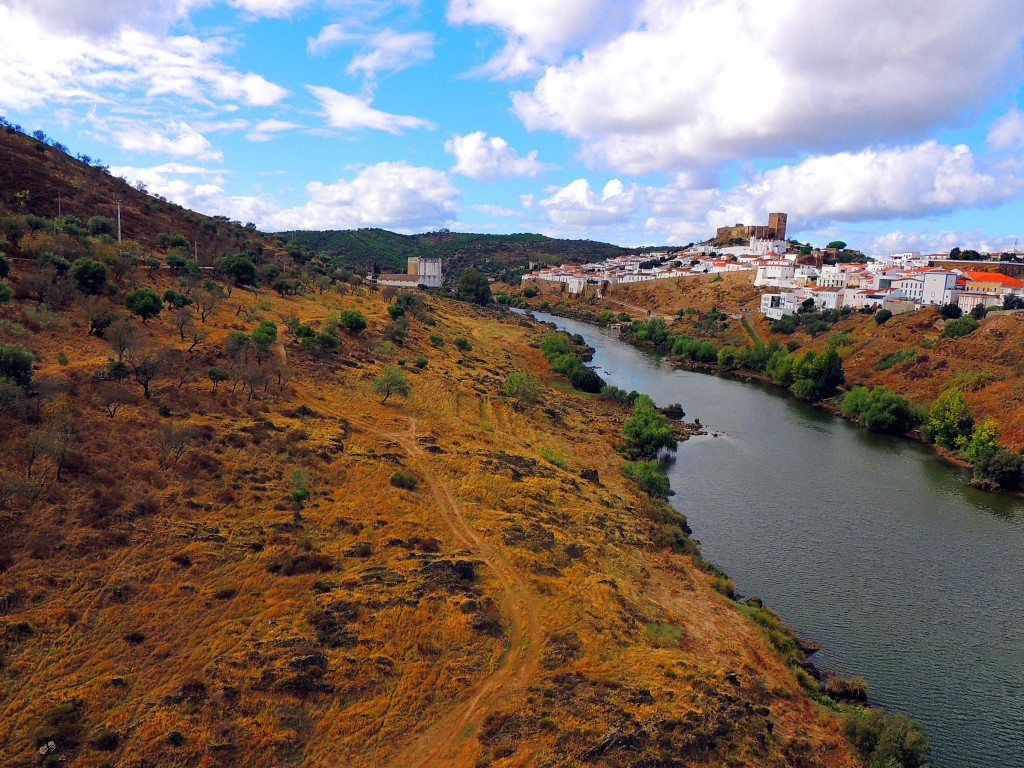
1002 471
846 696
866 543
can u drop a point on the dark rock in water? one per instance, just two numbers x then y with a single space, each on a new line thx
809 647
591 475
674 411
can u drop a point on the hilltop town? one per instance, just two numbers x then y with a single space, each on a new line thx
804 278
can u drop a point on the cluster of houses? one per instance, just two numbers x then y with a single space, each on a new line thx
900 283
661 265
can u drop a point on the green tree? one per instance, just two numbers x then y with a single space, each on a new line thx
817 375
649 477
983 439
144 302
216 376
882 316
353 321
949 419
90 276
648 430
881 410
263 338
837 245
239 268
473 286
391 381
6 294
525 387
16 364
175 299
101 225
950 311
962 326
998 469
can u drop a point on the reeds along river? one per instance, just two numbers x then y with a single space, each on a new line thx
870 545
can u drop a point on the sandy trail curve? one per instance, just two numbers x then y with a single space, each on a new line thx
448 741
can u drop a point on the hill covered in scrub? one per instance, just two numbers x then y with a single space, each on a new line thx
501 256
255 514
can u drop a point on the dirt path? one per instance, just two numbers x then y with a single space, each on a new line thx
449 741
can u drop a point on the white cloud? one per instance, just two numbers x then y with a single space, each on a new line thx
41 66
497 211
537 31
397 196
271 8
185 141
925 178
486 159
389 50
393 195
695 80
577 205
344 110
103 19
328 37
270 129
1007 132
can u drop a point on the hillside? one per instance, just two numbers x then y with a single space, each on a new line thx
500 256
41 178
229 574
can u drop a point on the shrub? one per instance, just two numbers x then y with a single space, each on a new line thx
90 276
16 364
886 740
648 430
525 387
353 321
881 410
882 315
420 361
437 341
962 326
6 294
405 480
396 311
950 311
648 477
998 469
462 344
585 379
817 375
885 362
144 302
950 419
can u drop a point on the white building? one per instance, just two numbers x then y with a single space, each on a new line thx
940 287
776 274
421 271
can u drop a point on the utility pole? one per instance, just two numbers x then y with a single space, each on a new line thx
117 202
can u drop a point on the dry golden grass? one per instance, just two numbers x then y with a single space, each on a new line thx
500 614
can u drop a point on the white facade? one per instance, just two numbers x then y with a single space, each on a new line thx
939 288
779 274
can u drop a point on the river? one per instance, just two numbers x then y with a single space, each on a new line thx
870 545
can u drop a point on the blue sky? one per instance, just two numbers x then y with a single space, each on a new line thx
891 124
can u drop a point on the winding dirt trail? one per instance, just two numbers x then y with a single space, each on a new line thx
449 741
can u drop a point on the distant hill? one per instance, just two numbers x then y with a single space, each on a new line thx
500 256
39 176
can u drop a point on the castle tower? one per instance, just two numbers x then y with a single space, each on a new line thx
777 222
